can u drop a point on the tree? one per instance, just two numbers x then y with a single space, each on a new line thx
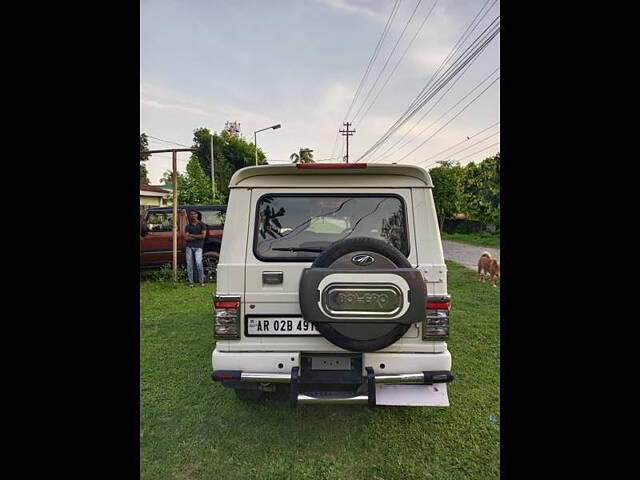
144 156
230 154
305 155
144 174
481 190
167 178
194 187
447 181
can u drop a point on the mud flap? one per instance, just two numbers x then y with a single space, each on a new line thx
412 395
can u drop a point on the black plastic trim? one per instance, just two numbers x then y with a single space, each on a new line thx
293 392
371 386
429 377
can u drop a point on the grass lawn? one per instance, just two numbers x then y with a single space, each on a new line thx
491 240
191 427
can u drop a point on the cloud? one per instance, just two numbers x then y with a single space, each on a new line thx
358 7
167 106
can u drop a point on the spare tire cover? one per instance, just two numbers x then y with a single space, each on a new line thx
344 255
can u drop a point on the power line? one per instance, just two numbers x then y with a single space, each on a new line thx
482 40
451 120
460 151
468 31
459 143
440 117
398 63
455 47
425 114
376 50
462 61
478 151
387 60
167 141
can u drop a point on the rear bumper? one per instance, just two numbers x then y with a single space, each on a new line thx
425 375
283 362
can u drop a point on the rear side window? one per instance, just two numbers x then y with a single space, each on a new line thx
160 222
299 227
213 218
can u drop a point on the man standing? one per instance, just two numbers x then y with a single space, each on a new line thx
194 235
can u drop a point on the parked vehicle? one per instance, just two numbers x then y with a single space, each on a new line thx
334 286
156 236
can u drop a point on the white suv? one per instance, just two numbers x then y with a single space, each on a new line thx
332 282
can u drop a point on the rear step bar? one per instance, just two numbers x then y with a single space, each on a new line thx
422 378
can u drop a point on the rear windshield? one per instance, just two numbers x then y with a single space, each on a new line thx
300 227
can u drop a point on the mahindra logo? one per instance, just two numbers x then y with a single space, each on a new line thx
362 260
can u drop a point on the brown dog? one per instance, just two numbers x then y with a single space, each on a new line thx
488 268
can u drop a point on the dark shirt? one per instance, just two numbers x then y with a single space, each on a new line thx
196 229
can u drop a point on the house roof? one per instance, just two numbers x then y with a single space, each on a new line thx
151 188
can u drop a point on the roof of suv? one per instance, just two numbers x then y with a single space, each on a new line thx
283 175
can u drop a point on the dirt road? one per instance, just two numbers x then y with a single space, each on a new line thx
465 254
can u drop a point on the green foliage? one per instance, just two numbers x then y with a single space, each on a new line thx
305 155
230 153
194 187
144 148
447 179
481 190
144 174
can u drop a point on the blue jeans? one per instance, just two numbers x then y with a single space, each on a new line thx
190 252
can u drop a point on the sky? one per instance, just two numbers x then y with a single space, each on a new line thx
299 63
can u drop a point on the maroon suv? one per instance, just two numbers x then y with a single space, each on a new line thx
156 236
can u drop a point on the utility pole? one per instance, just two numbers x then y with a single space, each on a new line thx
174 151
347 133
213 178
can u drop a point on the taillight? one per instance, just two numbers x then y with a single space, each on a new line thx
227 317
436 319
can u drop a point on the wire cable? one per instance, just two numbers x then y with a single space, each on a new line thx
468 55
167 141
441 116
482 41
478 151
460 151
460 143
451 120
387 60
398 63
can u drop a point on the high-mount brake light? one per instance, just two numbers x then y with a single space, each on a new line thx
226 323
321 166
436 319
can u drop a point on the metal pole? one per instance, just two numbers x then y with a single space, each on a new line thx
175 216
255 144
213 178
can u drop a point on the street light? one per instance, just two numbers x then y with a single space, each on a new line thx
255 138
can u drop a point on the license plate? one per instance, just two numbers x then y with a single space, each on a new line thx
285 326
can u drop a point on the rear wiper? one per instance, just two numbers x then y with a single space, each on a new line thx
298 249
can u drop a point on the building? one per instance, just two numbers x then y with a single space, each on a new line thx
153 196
